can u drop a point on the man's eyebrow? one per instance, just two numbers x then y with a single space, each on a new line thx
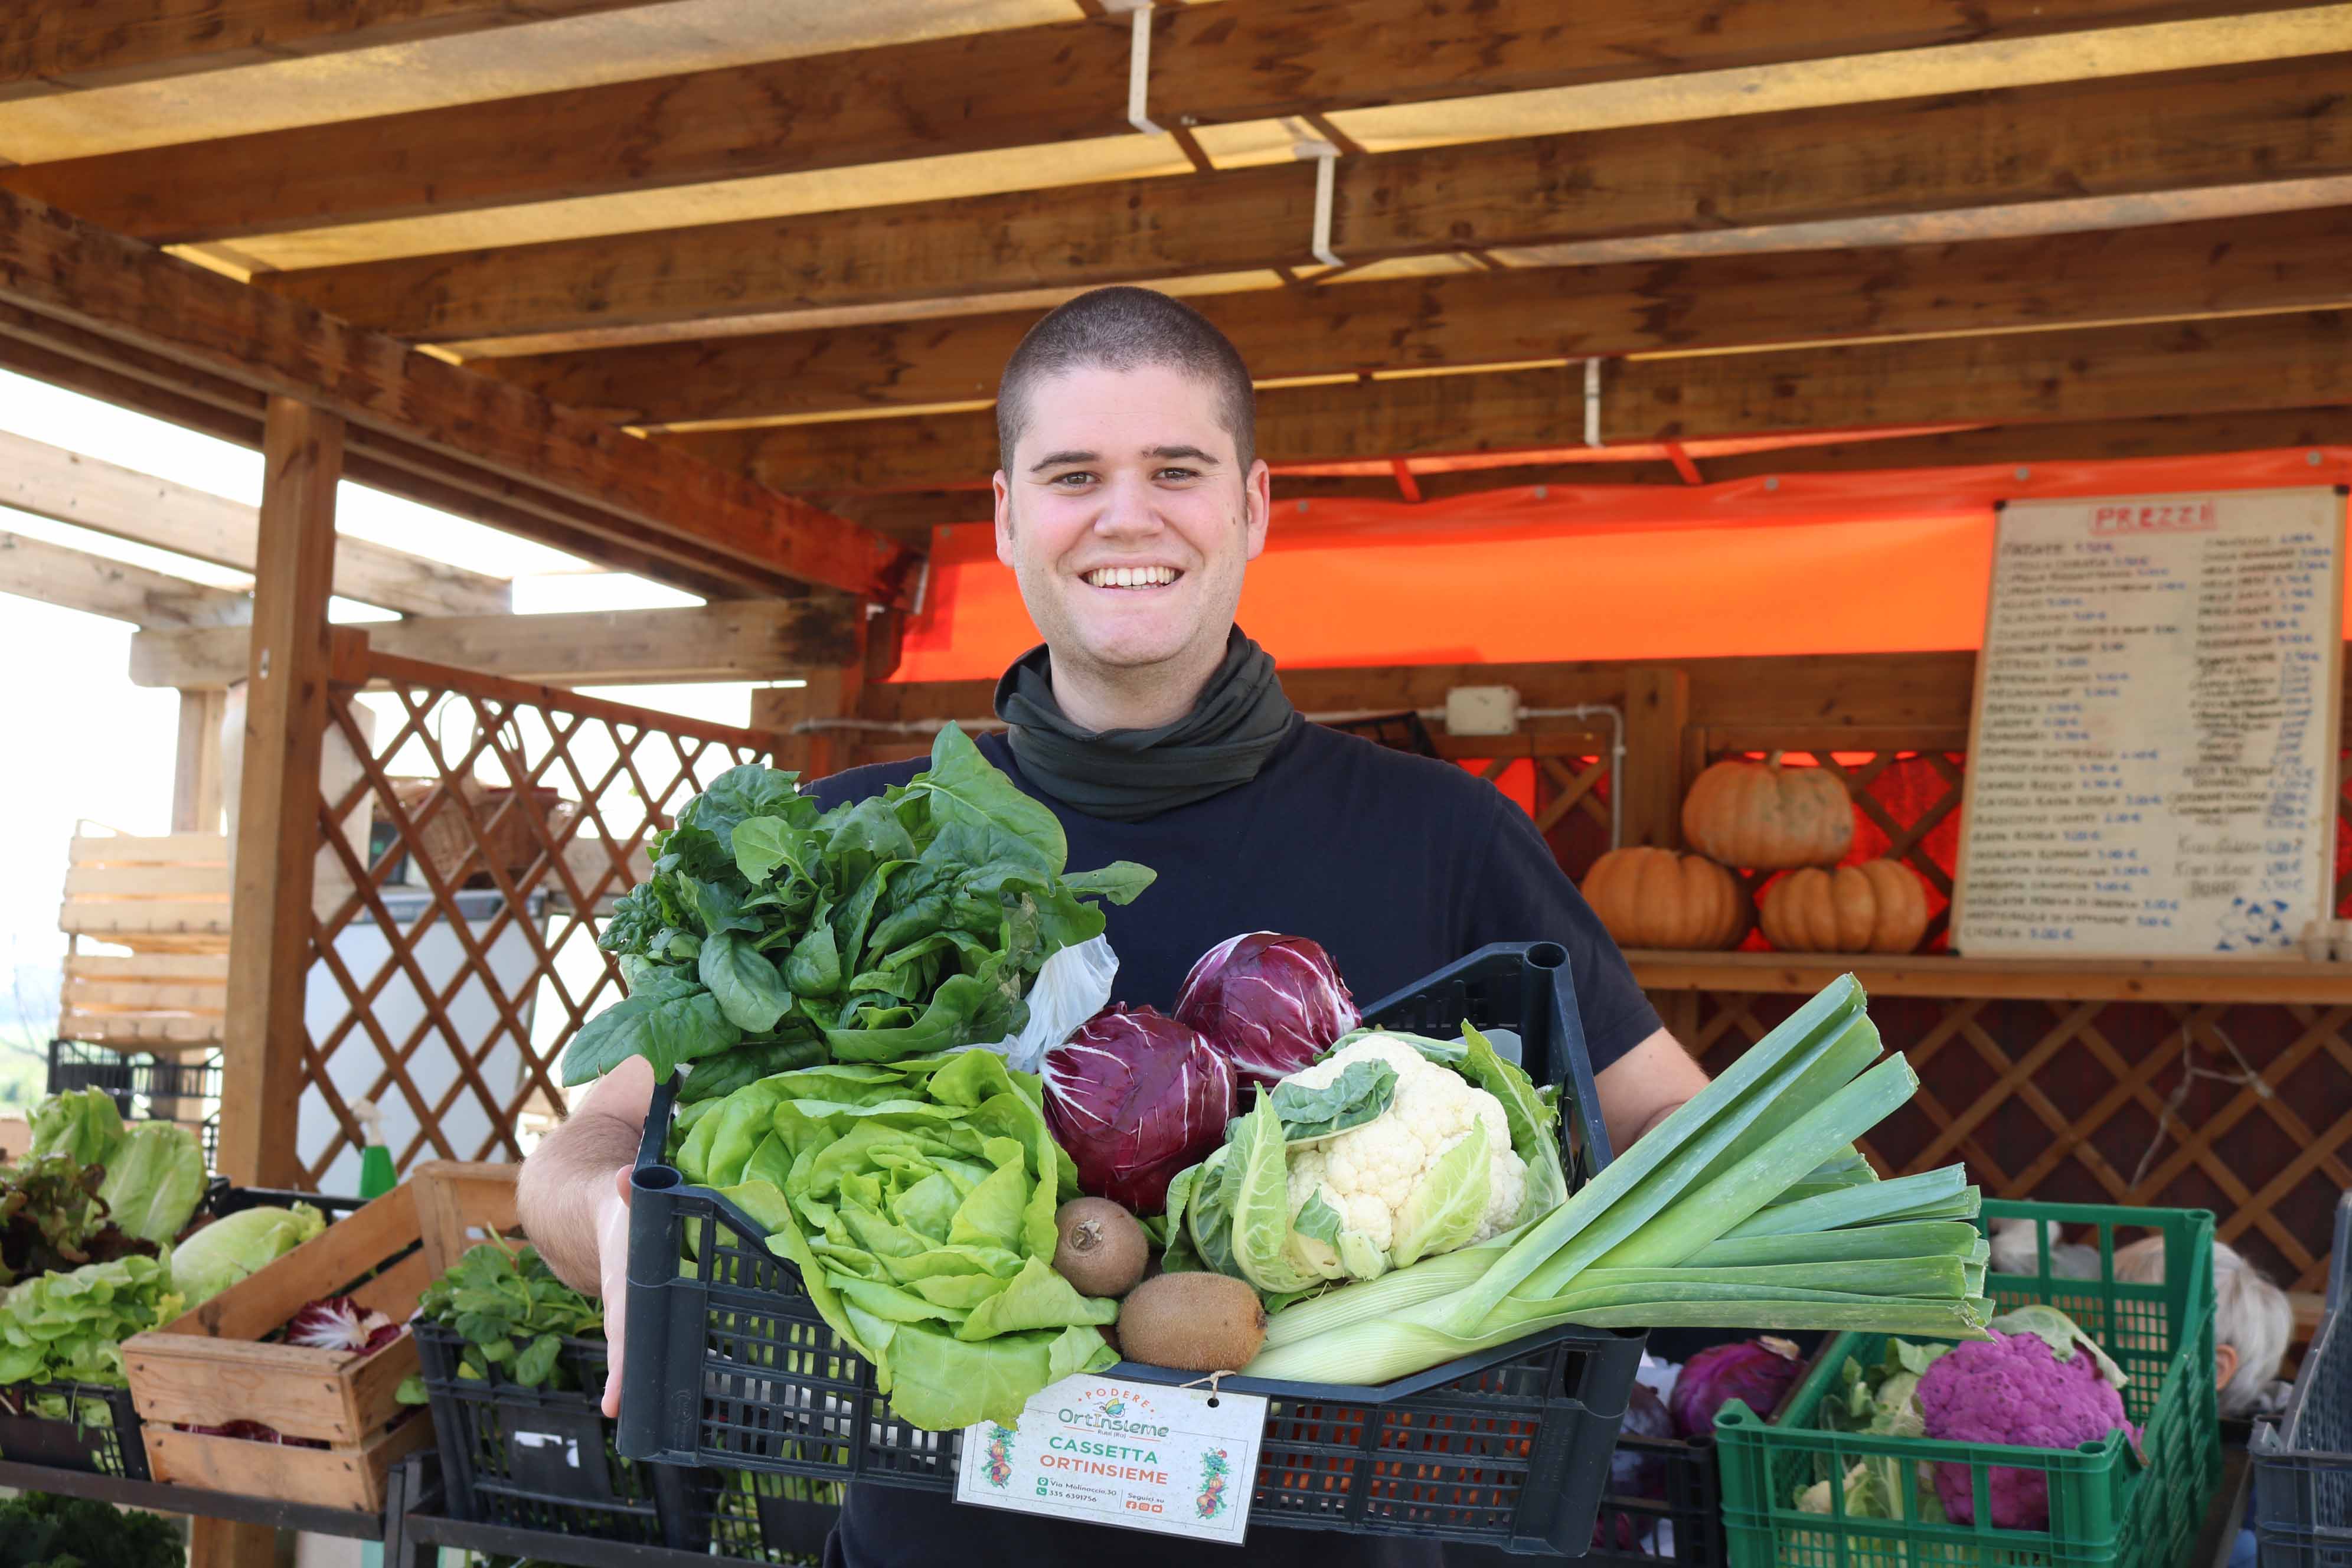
1191 454
1063 459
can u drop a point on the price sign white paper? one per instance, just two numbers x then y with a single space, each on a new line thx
2152 769
1175 1460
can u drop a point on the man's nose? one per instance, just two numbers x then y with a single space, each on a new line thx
1128 508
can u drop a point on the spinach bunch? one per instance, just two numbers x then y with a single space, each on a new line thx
38 1530
772 936
514 1314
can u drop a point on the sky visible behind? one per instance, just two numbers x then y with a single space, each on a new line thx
79 741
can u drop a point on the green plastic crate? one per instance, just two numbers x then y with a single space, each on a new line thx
2105 1508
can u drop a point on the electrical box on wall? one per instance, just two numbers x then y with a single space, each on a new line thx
1482 710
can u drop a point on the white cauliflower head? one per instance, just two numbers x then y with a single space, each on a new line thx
1370 1173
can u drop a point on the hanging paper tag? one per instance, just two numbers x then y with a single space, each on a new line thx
1177 1460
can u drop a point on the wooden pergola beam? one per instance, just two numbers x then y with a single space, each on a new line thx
2127 137
107 43
2252 364
1013 87
67 486
746 640
72 282
78 580
2280 262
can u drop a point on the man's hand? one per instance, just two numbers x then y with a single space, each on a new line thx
573 1198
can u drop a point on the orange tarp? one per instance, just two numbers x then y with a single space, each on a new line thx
1871 562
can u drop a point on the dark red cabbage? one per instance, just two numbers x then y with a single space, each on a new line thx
1135 1097
1758 1371
1272 1003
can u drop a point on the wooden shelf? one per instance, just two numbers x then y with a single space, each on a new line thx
2168 980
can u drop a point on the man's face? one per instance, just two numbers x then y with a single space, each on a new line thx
1127 519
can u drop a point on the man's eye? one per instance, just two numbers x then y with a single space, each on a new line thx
1072 481
1178 474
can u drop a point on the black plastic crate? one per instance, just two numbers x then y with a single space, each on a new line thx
731 1366
137 1080
83 1427
2303 1472
1628 1529
765 1518
541 1458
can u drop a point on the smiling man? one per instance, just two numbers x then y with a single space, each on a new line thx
1129 503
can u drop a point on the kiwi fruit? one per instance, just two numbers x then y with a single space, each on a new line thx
1102 1250
1193 1321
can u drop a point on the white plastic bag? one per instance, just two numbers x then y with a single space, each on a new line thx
1072 987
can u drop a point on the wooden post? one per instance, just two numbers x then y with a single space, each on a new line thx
196 773
828 694
277 811
1657 711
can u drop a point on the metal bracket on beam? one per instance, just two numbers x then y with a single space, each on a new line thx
1327 165
1592 403
1139 72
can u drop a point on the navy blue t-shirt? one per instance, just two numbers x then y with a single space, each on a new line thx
1398 864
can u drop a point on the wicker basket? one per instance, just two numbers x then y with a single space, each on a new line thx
446 840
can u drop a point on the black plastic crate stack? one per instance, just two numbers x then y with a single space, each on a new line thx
2303 1471
732 1366
137 1080
542 1459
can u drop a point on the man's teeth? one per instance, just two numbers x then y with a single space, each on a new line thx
1131 576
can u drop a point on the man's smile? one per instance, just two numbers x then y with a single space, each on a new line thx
1129 578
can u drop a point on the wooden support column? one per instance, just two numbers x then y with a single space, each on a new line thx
277 812
1657 711
833 693
196 772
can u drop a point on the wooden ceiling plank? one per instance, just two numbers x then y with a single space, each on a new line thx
2263 126
79 580
129 378
107 43
65 270
67 486
987 91
2280 261
756 639
2234 364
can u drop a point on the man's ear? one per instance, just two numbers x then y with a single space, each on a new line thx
1257 499
2225 1364
1004 517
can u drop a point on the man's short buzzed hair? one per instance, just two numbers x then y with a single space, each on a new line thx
1123 329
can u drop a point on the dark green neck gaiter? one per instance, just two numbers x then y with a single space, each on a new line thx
1126 776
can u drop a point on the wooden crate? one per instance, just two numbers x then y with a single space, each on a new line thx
169 1003
211 1366
156 895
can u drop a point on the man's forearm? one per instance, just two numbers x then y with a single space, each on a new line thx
562 1186
1656 1117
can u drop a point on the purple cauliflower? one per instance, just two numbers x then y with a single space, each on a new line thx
2014 1390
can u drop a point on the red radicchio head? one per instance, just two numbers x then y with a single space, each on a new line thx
341 1323
1135 1097
1271 1003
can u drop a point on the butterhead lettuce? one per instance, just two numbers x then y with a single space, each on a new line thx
154 1179
917 1199
229 1248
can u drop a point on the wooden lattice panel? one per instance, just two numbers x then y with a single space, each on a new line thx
517 815
2243 1110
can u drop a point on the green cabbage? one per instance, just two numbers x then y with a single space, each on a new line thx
917 1198
154 1180
228 1249
81 1123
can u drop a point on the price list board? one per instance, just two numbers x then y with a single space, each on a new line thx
2152 764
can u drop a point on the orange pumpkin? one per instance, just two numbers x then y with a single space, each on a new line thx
1769 817
1879 906
1658 898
